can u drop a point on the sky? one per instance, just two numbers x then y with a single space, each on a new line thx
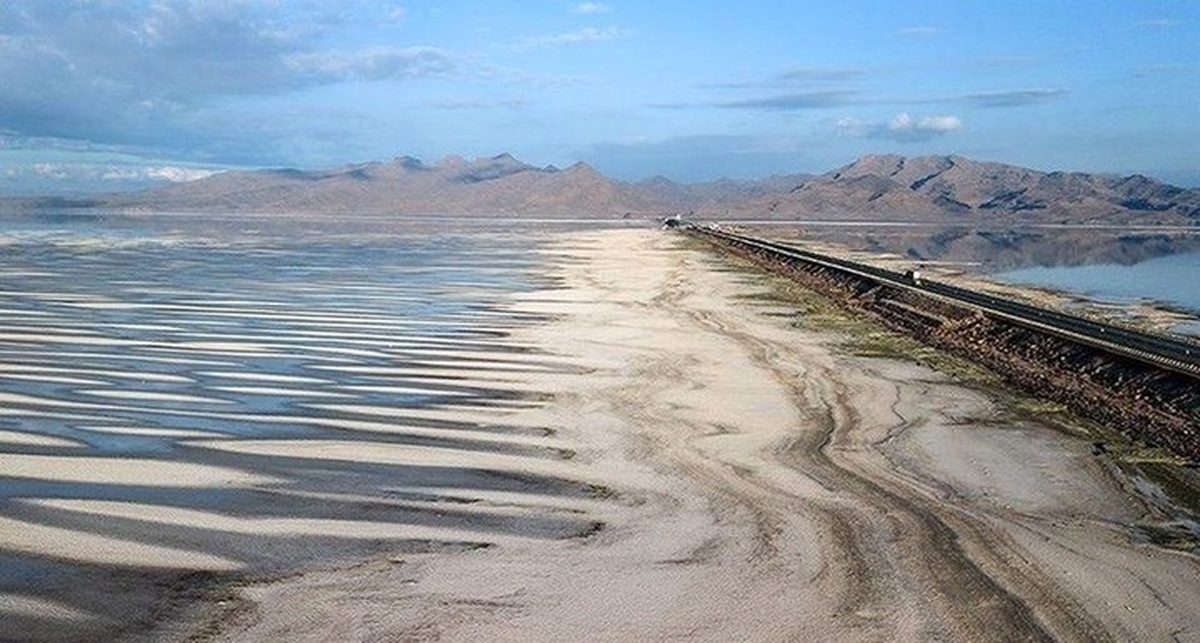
100 94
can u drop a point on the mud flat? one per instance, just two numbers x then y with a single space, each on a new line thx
750 482
181 419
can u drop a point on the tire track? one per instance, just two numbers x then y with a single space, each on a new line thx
873 520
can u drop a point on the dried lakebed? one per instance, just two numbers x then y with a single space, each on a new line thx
633 447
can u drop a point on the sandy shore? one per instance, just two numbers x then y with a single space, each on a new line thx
760 487
667 457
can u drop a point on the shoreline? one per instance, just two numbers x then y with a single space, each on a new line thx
1158 315
825 495
656 447
167 440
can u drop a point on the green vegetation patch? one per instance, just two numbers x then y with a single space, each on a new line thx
856 333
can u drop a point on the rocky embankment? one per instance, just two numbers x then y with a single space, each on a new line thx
1148 404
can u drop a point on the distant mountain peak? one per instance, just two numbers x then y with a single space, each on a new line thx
581 167
410 163
483 168
876 159
880 186
870 165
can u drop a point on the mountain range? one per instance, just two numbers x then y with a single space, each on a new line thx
939 188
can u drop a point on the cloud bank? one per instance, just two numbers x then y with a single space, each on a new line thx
157 75
585 35
902 128
590 8
919 32
1013 98
793 102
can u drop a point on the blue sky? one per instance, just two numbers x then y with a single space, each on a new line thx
111 94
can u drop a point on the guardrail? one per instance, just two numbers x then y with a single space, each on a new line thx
1177 355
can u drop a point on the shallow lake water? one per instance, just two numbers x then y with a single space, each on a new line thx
1173 280
169 330
199 393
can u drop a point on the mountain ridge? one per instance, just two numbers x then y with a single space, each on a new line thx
950 188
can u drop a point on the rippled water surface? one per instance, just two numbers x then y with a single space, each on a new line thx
160 334
181 394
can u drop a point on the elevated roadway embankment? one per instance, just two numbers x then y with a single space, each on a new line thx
1146 385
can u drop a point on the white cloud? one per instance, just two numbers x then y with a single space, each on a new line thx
50 170
172 75
1019 98
121 174
177 174
1164 69
585 35
481 104
904 123
902 127
396 15
590 8
856 128
373 63
919 32
94 173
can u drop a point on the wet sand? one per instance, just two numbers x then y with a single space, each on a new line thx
216 418
658 454
760 486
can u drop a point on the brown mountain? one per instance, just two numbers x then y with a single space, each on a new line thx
957 188
941 188
499 185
